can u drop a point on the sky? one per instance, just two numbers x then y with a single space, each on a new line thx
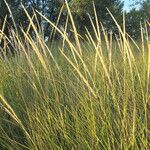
127 4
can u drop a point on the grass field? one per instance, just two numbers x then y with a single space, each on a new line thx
91 94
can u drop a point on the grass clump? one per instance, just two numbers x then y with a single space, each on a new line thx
86 94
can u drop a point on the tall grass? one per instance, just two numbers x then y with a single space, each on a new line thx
87 94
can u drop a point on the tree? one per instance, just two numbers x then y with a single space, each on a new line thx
136 17
4 24
81 9
4 12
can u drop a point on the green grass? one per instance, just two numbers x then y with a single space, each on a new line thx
91 95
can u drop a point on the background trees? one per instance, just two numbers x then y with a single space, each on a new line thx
81 9
137 17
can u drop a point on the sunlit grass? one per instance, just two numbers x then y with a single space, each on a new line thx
92 93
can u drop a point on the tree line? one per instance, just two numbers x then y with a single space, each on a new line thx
81 10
